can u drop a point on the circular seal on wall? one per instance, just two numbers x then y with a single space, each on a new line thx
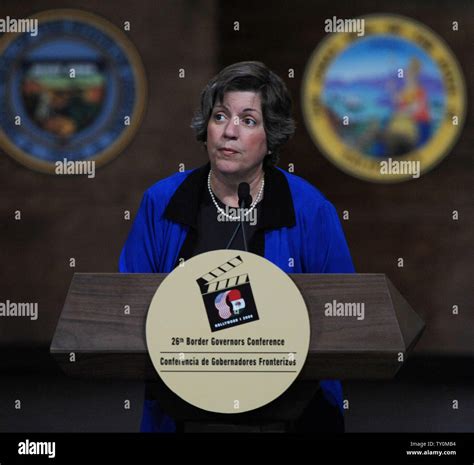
385 103
74 91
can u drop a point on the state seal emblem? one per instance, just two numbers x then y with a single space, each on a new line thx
74 91
385 106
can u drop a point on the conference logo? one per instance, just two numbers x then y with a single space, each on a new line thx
72 93
228 300
229 303
209 345
385 106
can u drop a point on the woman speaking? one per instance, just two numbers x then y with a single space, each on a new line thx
243 121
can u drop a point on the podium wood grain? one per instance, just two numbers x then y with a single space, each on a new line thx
96 337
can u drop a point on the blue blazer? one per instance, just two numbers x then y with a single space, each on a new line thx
301 229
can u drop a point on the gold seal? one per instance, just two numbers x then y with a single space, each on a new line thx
385 103
228 331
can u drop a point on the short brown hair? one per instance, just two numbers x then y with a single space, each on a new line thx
276 102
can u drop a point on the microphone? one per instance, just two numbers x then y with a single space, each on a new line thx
243 192
245 200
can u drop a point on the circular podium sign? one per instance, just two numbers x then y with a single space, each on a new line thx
228 331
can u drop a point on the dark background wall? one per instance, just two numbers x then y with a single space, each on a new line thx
84 218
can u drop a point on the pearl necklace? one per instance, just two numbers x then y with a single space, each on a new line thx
221 211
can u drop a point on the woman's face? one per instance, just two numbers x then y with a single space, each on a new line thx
236 139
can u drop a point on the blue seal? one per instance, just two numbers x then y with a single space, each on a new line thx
74 91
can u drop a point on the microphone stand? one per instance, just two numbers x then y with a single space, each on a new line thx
233 236
243 203
244 199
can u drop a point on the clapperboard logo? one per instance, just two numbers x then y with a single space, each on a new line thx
229 302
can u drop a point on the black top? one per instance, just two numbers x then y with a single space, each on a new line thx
191 205
214 230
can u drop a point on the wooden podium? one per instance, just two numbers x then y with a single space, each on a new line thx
101 332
